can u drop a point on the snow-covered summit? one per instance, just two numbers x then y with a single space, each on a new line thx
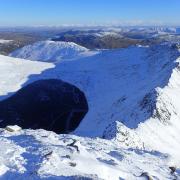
50 51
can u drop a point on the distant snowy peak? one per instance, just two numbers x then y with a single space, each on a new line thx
164 29
4 41
50 51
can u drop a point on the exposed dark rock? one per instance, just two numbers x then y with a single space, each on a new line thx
48 155
146 175
155 109
73 145
148 103
72 164
48 104
173 169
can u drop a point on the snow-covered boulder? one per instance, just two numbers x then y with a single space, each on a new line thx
14 128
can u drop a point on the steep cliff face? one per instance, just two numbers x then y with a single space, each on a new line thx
157 111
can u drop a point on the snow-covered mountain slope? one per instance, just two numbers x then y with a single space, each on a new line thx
45 155
133 101
15 72
50 51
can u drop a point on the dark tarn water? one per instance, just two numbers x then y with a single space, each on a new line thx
45 104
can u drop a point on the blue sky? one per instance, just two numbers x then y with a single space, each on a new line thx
58 12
